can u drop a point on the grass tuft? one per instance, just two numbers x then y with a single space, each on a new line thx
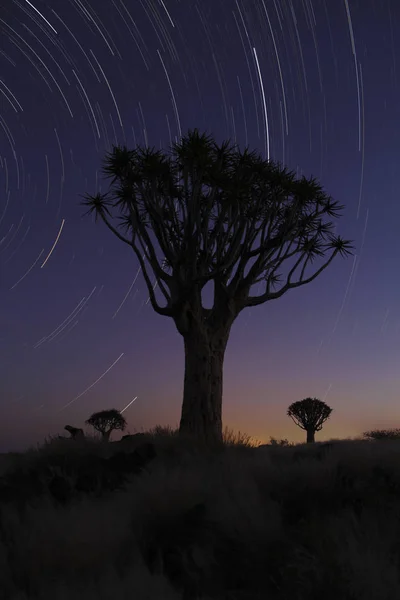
164 516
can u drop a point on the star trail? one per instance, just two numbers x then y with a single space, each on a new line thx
310 83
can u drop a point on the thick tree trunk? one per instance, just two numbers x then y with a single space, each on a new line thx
105 436
310 436
202 393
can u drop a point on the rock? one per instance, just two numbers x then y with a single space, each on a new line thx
76 432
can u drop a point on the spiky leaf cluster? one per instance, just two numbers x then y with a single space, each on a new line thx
217 213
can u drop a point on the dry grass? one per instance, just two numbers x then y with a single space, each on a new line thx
277 522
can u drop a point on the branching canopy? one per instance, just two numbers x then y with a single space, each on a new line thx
107 420
309 414
217 213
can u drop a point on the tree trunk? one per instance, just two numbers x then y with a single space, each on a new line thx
202 392
105 436
310 436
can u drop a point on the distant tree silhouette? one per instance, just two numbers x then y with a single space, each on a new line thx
106 421
309 414
382 434
212 213
75 432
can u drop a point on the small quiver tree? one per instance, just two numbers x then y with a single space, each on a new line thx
106 421
309 414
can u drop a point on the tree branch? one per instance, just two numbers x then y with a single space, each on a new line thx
297 423
250 236
151 257
158 280
257 300
115 231
260 264
160 310
159 223
164 311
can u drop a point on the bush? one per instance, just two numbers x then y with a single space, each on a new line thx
382 434
275 442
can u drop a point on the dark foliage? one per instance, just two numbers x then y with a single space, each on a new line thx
382 434
64 478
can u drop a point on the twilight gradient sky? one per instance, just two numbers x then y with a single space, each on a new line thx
315 83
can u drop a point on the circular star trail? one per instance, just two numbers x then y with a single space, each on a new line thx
310 83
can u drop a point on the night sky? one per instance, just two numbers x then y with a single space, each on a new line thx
312 83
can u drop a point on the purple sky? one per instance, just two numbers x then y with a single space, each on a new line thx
312 83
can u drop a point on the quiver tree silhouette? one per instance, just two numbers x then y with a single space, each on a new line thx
106 421
309 414
209 212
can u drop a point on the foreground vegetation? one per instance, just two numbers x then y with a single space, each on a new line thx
161 517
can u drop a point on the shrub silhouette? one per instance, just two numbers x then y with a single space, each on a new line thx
382 434
275 442
106 421
309 414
